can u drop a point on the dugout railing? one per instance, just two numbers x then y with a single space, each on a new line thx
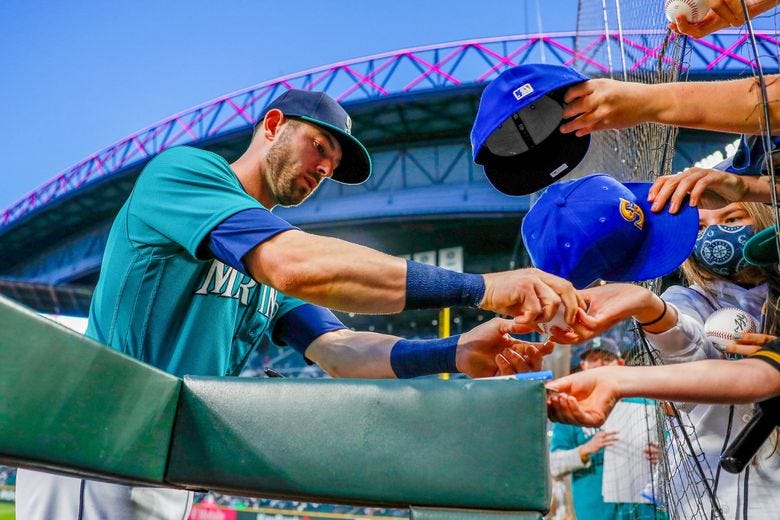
457 449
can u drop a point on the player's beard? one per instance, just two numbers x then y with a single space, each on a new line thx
283 172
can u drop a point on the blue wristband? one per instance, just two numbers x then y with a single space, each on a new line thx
423 357
431 287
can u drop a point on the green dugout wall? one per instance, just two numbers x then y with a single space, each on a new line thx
458 449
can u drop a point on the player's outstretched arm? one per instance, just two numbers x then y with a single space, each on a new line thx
330 272
340 275
485 351
587 398
725 106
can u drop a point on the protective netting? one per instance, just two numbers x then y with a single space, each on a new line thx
685 482
615 35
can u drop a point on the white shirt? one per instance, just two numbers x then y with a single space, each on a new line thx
686 342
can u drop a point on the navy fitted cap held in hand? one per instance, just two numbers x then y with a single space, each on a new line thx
597 228
322 110
515 136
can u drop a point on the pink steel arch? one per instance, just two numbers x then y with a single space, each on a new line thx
411 70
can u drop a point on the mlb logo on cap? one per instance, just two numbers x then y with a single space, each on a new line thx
515 134
597 228
523 91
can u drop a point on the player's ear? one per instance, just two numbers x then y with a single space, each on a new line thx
272 123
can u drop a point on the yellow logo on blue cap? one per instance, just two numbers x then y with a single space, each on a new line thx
632 213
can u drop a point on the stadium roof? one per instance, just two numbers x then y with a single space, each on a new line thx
417 95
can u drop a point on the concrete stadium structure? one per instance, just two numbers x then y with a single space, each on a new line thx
413 108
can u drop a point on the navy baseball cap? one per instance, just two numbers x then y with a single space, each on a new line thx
750 158
600 344
515 135
597 228
322 110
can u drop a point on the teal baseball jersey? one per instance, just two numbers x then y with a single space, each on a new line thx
157 299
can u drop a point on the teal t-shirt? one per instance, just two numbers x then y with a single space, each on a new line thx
156 299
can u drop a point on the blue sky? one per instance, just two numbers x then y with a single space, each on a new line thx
79 75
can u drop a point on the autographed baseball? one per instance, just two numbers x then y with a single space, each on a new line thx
721 326
693 10
557 321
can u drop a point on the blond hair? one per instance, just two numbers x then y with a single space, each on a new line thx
694 273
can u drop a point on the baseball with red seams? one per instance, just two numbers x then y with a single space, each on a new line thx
693 10
721 326
557 321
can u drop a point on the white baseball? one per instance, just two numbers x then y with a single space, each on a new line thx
692 10
557 321
721 326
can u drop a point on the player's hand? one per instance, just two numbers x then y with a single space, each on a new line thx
652 452
721 14
603 104
708 189
523 357
530 295
746 344
583 399
488 350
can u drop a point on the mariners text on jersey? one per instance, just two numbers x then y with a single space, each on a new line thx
228 282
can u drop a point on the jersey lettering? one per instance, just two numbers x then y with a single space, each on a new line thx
267 306
243 289
224 281
219 280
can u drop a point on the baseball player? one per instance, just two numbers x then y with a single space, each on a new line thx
197 272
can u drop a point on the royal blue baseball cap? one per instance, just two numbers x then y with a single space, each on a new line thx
515 136
597 228
322 110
